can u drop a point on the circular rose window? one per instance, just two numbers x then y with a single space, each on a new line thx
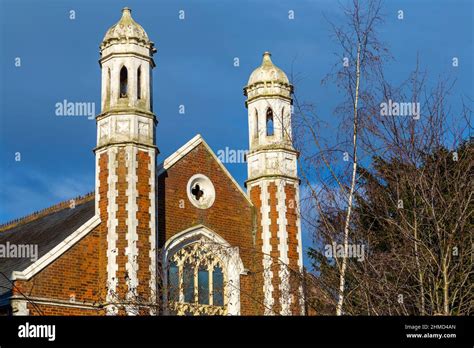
201 191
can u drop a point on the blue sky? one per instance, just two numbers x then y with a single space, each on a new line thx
59 60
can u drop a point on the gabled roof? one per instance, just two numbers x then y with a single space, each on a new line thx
187 148
47 232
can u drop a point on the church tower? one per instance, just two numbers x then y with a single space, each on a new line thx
125 169
273 187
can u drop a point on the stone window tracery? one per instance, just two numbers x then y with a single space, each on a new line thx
196 281
201 192
201 274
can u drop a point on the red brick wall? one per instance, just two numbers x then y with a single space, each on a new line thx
293 254
102 228
255 196
292 229
143 228
274 242
122 227
231 215
45 309
74 273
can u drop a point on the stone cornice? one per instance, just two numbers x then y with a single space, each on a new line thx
269 95
271 177
127 111
124 143
126 54
269 148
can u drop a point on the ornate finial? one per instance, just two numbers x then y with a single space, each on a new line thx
266 58
126 9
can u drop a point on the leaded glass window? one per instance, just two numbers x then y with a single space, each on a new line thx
196 281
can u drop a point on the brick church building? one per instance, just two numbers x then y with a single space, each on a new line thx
177 238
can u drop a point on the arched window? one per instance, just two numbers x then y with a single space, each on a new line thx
107 88
256 124
201 274
196 281
139 83
269 122
123 82
283 130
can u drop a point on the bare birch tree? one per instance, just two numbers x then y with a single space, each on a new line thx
401 196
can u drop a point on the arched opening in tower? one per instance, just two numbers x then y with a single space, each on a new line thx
123 82
139 83
283 130
270 129
256 125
